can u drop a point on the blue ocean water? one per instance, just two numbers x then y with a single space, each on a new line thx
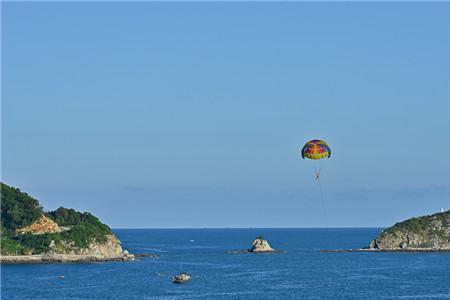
301 273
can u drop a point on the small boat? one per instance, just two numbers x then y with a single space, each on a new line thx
181 278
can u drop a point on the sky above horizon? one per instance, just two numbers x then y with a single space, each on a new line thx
173 115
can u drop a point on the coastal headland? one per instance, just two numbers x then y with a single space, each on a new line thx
31 235
429 233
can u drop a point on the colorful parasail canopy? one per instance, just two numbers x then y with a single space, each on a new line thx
316 149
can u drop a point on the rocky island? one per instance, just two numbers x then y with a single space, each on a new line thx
30 235
259 245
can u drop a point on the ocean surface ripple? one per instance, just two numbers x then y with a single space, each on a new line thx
301 273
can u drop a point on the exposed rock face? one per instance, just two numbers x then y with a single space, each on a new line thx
41 226
108 251
261 245
422 233
110 248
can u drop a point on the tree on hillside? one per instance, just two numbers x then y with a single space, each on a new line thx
18 209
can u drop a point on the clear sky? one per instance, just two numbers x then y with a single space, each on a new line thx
193 114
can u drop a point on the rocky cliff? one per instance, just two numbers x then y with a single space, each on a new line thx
109 248
415 234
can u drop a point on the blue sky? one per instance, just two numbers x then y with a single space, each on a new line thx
193 114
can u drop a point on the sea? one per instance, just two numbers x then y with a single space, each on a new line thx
301 272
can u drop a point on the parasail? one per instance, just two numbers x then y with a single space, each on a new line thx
316 149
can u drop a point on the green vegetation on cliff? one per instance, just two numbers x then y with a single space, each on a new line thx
84 227
423 225
18 210
420 224
425 232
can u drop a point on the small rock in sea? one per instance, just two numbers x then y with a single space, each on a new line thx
153 255
261 245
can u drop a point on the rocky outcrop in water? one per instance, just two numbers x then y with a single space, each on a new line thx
261 245
426 233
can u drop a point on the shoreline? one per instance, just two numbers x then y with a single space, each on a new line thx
417 250
62 258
